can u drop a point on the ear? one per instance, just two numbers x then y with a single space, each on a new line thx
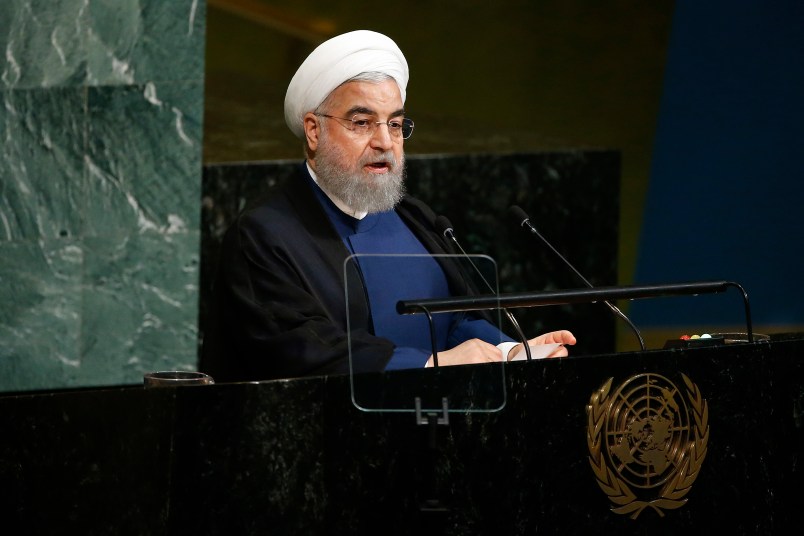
312 130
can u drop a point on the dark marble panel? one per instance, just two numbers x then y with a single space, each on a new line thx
295 456
86 462
785 435
571 196
250 460
526 469
144 158
42 163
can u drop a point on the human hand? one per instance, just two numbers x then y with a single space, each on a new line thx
468 352
562 338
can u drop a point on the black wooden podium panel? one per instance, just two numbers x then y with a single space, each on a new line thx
295 457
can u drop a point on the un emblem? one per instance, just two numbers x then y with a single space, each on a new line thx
646 444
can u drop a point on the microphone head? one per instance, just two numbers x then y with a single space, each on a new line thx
443 226
518 214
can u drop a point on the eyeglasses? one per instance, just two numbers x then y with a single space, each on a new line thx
363 126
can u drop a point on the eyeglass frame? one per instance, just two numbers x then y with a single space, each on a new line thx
405 122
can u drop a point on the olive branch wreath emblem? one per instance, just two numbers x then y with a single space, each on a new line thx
674 490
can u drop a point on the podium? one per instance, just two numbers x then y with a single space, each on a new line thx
296 456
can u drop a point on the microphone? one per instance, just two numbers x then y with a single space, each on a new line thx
444 226
523 220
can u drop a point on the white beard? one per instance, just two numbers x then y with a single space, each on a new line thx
359 190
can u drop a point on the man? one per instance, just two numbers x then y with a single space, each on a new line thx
285 309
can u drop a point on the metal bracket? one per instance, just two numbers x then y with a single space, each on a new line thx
432 417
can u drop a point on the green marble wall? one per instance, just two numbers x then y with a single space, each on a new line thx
100 180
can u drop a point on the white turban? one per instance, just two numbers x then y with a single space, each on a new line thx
334 62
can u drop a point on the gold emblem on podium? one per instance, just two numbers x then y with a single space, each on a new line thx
647 441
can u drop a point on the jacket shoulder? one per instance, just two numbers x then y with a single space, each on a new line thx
418 209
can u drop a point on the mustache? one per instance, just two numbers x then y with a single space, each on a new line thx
387 158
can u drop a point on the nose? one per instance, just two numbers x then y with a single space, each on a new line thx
381 138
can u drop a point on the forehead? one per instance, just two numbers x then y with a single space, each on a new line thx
382 98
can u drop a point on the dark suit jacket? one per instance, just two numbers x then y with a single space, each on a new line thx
279 308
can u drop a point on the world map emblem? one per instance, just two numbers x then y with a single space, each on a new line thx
647 441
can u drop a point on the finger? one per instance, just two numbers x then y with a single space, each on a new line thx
560 352
561 337
567 337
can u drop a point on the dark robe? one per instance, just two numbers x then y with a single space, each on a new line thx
280 309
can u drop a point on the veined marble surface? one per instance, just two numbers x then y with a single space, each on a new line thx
41 163
144 143
101 106
100 42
